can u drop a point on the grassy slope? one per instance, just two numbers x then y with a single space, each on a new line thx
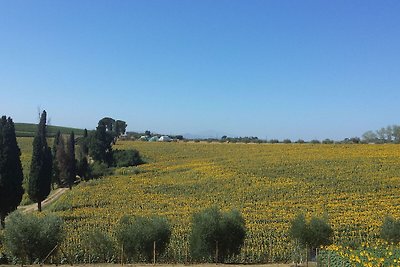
356 185
29 130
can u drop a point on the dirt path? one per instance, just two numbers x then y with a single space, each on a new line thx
54 195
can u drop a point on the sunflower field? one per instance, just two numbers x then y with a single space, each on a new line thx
356 186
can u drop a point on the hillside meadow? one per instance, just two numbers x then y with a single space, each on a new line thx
356 186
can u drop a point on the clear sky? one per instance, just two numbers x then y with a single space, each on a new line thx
275 69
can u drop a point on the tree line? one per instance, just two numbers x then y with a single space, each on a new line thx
389 134
57 166
215 236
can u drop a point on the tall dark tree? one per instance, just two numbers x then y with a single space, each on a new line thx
100 144
40 175
120 127
83 164
83 144
62 163
56 170
11 175
109 123
71 166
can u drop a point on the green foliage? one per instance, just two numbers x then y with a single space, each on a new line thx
100 145
83 169
30 238
56 170
321 232
40 176
328 141
120 127
11 175
71 162
99 246
83 143
299 230
138 234
98 169
126 158
317 232
214 231
390 230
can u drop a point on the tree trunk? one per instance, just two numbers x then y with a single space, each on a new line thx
2 219
154 253
216 251
307 255
39 206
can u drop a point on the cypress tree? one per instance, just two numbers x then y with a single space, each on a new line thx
40 176
83 165
62 162
71 166
11 175
56 169
84 149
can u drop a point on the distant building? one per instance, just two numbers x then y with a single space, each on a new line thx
144 138
165 138
153 139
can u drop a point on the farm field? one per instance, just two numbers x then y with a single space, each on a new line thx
356 186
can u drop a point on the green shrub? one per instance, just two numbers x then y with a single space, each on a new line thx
390 230
214 231
98 169
138 234
29 238
317 232
99 246
126 158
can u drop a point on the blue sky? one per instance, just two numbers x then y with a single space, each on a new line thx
272 69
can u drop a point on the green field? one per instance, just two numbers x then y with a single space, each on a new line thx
29 130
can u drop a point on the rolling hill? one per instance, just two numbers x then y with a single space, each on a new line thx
29 130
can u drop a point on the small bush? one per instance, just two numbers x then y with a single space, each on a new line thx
287 141
214 230
99 246
126 158
31 238
317 232
138 234
390 230
99 169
